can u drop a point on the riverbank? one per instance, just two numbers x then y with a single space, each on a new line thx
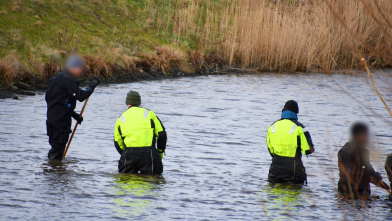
189 35
37 85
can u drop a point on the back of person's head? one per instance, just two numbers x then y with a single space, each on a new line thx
133 98
292 106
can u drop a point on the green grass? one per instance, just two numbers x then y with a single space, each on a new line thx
40 29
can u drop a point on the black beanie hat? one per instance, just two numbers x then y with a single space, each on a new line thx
133 98
291 105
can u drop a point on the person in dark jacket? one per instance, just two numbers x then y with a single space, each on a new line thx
355 170
287 140
61 96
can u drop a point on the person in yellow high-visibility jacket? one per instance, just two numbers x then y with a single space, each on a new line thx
140 138
287 140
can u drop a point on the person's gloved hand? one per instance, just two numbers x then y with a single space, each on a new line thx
161 152
94 83
77 117
80 119
378 177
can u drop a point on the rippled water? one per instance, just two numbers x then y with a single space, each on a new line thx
217 160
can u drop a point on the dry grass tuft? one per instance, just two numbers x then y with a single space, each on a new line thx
129 64
39 24
98 66
164 59
213 58
196 59
51 68
7 72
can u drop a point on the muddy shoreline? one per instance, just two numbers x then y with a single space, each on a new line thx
36 85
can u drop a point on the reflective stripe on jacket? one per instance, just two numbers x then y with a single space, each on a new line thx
282 138
139 127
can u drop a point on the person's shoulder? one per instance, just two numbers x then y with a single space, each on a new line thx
346 148
296 122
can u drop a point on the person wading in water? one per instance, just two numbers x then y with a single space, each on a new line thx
355 170
140 138
61 96
287 140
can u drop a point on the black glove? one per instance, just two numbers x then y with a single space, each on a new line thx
94 83
77 117
378 177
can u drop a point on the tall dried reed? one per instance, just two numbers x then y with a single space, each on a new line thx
285 35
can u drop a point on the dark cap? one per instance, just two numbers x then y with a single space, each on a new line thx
291 105
133 98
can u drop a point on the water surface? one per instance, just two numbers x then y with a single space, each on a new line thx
217 160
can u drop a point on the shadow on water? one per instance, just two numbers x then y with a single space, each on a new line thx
137 193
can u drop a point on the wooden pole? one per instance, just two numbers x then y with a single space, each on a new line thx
382 184
374 86
76 126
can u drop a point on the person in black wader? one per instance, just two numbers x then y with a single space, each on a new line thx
140 138
355 170
63 91
287 140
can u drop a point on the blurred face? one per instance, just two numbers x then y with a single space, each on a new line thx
76 72
362 139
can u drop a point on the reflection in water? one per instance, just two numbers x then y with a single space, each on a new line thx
56 171
284 196
137 192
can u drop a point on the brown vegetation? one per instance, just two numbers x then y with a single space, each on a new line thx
7 72
164 59
306 35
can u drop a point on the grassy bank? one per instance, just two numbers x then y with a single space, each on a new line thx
135 37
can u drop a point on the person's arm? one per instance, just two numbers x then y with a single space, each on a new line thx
81 94
306 141
369 171
118 139
270 149
160 133
310 142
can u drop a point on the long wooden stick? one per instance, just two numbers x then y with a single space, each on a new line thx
383 186
76 126
374 86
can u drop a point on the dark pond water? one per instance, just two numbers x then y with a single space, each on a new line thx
217 160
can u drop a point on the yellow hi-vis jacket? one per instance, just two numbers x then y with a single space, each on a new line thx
139 127
283 137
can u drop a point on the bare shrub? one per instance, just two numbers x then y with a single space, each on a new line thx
7 73
98 66
165 59
51 68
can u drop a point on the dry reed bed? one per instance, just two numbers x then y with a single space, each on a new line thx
301 36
